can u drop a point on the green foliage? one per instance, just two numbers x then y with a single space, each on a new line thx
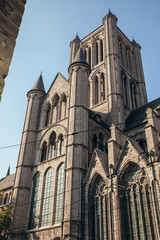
6 215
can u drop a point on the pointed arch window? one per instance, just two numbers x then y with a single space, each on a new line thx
59 194
96 91
60 149
120 51
136 210
47 199
52 146
101 139
56 108
44 152
34 210
101 45
89 56
96 52
133 95
98 210
128 59
102 87
48 113
124 87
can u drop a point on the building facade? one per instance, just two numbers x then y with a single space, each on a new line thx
88 164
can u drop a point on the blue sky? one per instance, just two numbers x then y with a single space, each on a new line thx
43 45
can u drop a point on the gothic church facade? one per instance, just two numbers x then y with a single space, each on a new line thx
88 164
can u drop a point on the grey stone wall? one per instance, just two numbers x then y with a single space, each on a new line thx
11 13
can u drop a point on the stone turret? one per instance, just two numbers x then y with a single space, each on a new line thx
115 104
26 157
77 149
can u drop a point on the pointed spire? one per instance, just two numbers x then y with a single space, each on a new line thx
110 14
8 171
135 43
76 37
80 56
39 84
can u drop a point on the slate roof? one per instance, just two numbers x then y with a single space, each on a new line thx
39 84
7 182
138 116
79 56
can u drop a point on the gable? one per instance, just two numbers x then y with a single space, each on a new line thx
60 85
98 165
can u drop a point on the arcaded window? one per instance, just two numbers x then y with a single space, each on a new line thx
142 143
101 139
63 106
52 146
56 108
48 113
44 152
133 95
89 56
59 195
96 90
98 210
34 214
94 142
97 53
101 48
102 87
128 59
136 204
47 199
60 149
120 51
124 87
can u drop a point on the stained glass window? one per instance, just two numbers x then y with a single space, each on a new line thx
59 195
47 199
33 219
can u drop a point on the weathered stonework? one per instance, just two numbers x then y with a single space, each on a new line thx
89 162
11 13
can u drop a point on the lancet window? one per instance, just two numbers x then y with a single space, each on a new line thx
60 148
47 199
98 210
96 90
48 113
63 106
136 205
102 87
52 146
56 108
34 216
120 51
124 87
133 95
101 50
59 195
44 152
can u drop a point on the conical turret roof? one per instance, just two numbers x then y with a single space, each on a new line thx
8 171
39 84
76 37
80 56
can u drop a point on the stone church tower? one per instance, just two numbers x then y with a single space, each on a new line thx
88 164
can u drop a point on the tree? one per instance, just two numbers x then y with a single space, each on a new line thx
6 215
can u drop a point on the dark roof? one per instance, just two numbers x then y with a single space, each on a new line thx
138 116
80 56
39 84
76 37
7 182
